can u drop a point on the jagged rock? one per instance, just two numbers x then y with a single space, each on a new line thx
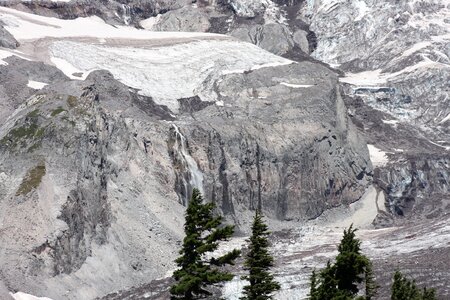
6 39
183 19
274 38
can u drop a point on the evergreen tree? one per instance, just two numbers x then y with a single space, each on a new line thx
204 231
258 262
313 286
342 279
405 289
350 263
369 278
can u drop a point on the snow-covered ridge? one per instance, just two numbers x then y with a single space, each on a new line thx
25 26
24 296
163 65
166 73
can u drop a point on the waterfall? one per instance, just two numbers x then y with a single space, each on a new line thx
126 14
196 176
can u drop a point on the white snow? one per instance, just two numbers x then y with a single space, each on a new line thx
376 77
25 26
296 86
36 84
24 296
390 122
150 22
361 213
4 54
370 78
166 73
68 69
377 156
415 48
363 9
445 119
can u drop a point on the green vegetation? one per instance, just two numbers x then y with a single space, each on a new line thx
197 269
33 114
32 180
258 262
57 111
34 147
342 279
72 101
19 133
405 289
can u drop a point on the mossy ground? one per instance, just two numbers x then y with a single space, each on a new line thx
32 180
57 111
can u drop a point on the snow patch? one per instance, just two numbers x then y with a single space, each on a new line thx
390 122
415 48
166 73
369 78
363 9
24 296
4 54
296 86
445 119
68 69
150 22
377 156
36 84
24 26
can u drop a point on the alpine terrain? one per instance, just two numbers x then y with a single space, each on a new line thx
318 113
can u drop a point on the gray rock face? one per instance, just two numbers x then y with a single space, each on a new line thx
272 172
274 38
6 39
183 19
416 188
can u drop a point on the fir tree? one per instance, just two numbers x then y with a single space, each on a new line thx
405 289
258 262
204 231
342 279
313 286
369 278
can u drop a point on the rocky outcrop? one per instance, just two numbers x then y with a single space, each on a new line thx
6 39
415 188
284 170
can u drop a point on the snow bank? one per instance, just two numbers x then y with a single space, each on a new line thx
296 86
24 296
4 54
36 84
377 156
24 26
167 72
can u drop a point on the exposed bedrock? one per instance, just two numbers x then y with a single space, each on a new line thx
282 143
415 188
